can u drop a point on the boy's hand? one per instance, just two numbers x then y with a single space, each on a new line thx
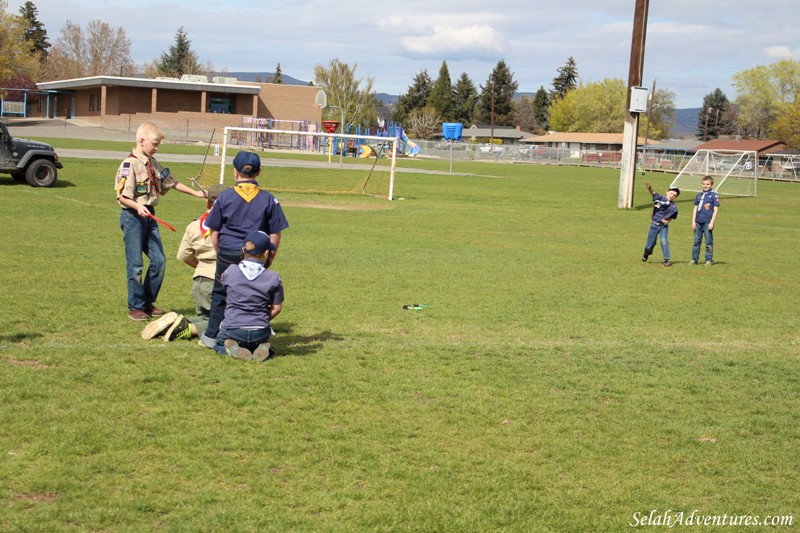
647 184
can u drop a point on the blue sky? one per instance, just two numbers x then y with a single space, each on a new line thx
692 47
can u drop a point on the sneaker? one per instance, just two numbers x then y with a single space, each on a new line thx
234 350
666 263
709 262
692 262
156 327
139 315
645 256
155 311
263 352
180 329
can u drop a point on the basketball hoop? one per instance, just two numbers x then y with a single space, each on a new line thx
321 100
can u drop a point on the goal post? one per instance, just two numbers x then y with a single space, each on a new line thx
735 172
302 161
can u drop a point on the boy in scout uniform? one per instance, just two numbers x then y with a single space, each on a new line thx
139 183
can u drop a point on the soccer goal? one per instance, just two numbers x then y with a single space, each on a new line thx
306 161
735 172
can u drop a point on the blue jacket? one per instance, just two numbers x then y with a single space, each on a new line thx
663 208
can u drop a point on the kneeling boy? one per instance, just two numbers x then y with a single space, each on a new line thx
254 298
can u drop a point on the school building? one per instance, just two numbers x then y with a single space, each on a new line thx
191 103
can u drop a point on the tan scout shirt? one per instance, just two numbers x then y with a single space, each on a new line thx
195 245
138 178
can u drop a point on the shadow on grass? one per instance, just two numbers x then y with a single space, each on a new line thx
287 344
59 184
19 337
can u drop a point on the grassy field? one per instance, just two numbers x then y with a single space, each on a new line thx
554 382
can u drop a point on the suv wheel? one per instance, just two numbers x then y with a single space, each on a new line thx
41 173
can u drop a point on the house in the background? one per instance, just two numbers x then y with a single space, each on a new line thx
763 148
592 147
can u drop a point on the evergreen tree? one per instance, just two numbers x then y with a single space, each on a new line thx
465 98
566 81
714 117
441 97
278 77
496 99
180 59
541 104
35 33
415 98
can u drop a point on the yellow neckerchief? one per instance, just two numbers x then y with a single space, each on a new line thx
247 190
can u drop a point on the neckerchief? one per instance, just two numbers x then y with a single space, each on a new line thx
247 190
151 173
205 231
251 269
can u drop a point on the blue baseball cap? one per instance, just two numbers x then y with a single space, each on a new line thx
247 163
257 242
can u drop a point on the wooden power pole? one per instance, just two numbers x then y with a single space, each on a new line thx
630 132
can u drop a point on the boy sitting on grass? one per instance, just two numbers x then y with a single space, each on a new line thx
254 297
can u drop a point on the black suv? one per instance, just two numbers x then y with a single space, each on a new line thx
31 161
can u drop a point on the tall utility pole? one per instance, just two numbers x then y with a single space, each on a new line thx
630 132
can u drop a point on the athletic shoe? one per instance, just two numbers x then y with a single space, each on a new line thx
138 314
645 256
666 263
156 327
263 352
234 350
155 311
692 262
181 329
709 263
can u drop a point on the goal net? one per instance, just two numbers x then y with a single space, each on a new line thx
306 161
735 172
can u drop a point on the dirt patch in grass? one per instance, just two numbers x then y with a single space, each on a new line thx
33 363
37 497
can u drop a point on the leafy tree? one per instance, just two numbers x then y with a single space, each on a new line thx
278 77
711 119
541 105
465 98
354 96
787 126
101 50
661 116
567 79
180 59
35 33
764 93
524 116
16 56
415 98
592 107
497 96
441 97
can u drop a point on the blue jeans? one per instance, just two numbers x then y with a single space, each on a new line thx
657 230
225 258
141 236
701 230
247 338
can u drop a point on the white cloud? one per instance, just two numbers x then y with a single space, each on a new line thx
476 40
782 52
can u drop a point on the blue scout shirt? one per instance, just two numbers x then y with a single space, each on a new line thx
663 208
705 202
233 216
249 299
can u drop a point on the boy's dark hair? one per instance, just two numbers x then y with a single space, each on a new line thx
677 190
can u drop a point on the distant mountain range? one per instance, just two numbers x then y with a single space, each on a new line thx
685 119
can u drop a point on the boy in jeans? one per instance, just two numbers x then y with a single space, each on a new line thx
706 206
254 297
664 210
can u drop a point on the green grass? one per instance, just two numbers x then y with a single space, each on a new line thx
553 383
